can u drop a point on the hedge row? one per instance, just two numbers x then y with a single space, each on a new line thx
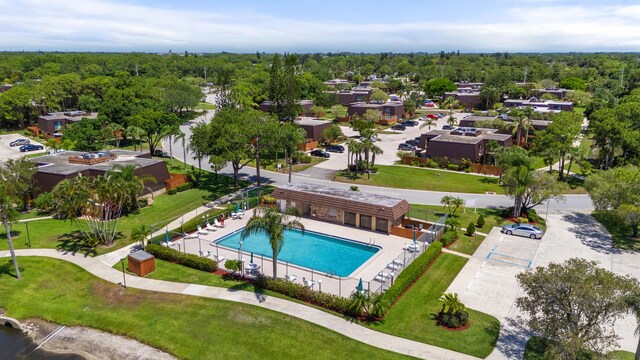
412 272
185 186
300 292
448 237
188 260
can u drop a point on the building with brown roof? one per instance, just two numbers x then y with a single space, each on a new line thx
54 168
357 94
391 110
540 105
468 98
456 146
56 122
344 207
559 93
305 105
313 127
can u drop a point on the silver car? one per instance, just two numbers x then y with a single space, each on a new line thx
526 230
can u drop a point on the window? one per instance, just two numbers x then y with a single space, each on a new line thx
332 213
57 125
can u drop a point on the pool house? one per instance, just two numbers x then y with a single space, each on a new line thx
345 207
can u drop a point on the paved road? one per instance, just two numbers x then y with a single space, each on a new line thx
572 202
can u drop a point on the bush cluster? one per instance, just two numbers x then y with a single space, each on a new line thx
172 191
300 292
453 167
268 199
188 260
480 222
453 320
471 229
448 237
184 187
522 220
412 272
533 216
143 202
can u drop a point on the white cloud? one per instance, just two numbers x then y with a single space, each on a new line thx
107 25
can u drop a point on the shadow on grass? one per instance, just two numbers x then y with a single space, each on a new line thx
74 243
620 232
246 286
7 269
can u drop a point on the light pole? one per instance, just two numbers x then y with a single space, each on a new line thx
124 278
240 258
28 236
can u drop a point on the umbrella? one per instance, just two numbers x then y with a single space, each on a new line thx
236 207
166 236
251 261
359 287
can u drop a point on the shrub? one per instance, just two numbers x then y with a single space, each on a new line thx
268 199
143 202
45 202
471 229
27 133
533 216
184 187
480 222
172 191
522 220
188 260
354 188
465 164
432 164
453 321
448 237
453 167
412 272
300 292
41 136
233 265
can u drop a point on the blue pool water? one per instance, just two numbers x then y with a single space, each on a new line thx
324 253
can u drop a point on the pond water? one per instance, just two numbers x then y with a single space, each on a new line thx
18 346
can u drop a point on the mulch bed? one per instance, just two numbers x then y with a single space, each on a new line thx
461 328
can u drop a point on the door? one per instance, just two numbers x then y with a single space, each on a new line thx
283 205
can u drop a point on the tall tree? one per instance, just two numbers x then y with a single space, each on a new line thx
156 125
268 220
574 305
284 87
180 95
8 213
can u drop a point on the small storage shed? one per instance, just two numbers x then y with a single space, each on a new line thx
142 263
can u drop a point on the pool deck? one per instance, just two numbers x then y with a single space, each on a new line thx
391 247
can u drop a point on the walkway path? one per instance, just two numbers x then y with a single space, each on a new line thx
319 317
445 250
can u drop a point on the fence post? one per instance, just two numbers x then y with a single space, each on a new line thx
339 286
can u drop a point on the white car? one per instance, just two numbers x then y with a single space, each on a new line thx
526 230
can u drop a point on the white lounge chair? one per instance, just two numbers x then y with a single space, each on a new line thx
237 215
398 262
203 254
291 278
393 266
210 227
216 223
202 232
308 283
218 259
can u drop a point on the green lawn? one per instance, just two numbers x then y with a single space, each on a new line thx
536 347
412 317
620 232
188 327
205 106
465 244
426 179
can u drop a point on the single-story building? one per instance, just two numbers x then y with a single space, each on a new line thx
344 207
540 105
357 94
559 93
54 168
462 85
442 143
313 127
305 105
55 122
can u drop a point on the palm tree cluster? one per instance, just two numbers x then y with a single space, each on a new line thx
96 203
454 313
360 152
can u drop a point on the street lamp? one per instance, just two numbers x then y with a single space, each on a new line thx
124 278
28 237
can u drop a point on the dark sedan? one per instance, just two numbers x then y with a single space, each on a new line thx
399 127
320 153
31 147
335 148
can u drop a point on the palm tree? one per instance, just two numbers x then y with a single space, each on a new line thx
451 304
135 133
115 130
274 224
633 302
139 233
183 137
8 213
170 133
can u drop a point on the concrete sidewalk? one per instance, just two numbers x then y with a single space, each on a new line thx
319 317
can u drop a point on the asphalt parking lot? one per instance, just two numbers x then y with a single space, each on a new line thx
7 152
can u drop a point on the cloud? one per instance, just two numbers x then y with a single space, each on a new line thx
542 25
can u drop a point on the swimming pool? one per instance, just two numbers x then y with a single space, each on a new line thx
321 252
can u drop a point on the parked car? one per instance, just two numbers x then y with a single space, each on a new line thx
459 131
413 142
406 147
160 153
447 127
335 148
320 153
410 123
471 132
526 230
30 147
399 127
20 142
432 116
441 115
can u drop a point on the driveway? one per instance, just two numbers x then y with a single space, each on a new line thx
487 282
7 152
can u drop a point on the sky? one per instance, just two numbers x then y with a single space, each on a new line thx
320 26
